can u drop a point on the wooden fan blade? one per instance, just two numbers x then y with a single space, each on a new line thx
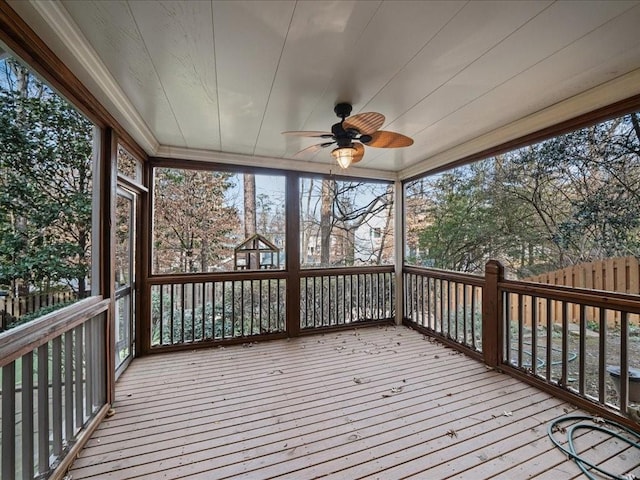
311 150
359 152
309 134
365 123
385 139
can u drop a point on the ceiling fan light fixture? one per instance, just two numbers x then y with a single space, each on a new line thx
344 155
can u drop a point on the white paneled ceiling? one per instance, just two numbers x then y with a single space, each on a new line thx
220 80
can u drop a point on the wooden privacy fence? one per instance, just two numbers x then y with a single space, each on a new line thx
620 274
15 307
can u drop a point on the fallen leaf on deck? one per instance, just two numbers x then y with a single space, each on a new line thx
275 371
353 437
452 433
507 414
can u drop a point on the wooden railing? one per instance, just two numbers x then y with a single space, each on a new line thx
205 308
338 297
446 304
54 388
574 353
532 331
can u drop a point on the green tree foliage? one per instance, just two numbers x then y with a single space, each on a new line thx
571 199
45 185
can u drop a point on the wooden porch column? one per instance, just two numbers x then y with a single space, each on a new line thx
108 168
292 215
492 331
398 221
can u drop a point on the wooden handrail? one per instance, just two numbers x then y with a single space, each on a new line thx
16 342
216 277
593 298
467 278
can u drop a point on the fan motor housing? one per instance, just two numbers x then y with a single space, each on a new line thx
343 110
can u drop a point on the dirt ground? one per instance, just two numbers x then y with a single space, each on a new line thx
592 357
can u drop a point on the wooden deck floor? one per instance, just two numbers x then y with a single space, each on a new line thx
380 402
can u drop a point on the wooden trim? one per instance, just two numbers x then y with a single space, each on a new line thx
593 298
492 330
332 272
16 342
292 214
107 251
165 162
24 42
178 278
617 109
346 326
132 185
458 277
216 343
143 287
61 470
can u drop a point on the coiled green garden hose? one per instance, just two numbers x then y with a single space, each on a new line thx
594 423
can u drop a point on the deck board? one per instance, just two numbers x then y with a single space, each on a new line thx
380 402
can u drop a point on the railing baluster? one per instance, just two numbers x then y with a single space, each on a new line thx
549 338
534 336
465 321
182 309
56 378
203 295
8 433
224 311
77 350
43 408
506 314
27 417
455 305
582 381
160 312
602 356
565 344
473 318
242 307
520 329
88 367
172 314
624 362
193 312
344 298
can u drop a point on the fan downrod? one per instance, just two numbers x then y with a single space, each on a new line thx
343 110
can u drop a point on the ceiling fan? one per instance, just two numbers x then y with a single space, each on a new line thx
352 134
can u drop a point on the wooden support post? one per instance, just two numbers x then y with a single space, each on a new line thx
293 254
398 218
492 328
107 258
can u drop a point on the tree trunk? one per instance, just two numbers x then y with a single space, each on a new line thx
325 222
305 215
387 227
250 223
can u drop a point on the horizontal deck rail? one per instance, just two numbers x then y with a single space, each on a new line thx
445 304
53 385
340 297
